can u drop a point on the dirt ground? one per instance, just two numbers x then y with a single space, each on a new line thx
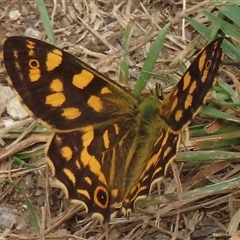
91 30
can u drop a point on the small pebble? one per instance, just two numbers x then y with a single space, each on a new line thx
14 15
30 32
15 109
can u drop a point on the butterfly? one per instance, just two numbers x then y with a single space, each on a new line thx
109 147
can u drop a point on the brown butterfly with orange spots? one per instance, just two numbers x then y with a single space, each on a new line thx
109 147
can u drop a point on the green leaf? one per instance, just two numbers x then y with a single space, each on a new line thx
191 195
124 64
213 112
45 20
208 32
227 88
232 12
230 50
150 61
21 162
201 28
226 27
207 156
34 219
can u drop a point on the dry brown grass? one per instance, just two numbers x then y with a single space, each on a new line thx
89 29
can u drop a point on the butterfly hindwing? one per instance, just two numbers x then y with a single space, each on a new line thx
162 154
87 164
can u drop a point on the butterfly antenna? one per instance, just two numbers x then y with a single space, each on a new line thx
158 88
132 60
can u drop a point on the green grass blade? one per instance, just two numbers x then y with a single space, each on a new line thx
31 153
201 28
150 61
191 195
230 50
216 141
45 20
211 111
124 64
232 12
226 27
21 162
207 156
228 89
201 130
208 33
31 210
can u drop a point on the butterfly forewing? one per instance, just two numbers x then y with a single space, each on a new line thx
59 89
185 99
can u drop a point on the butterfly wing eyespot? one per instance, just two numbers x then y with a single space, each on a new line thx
208 64
109 148
33 63
101 197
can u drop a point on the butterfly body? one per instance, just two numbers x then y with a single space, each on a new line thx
109 147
